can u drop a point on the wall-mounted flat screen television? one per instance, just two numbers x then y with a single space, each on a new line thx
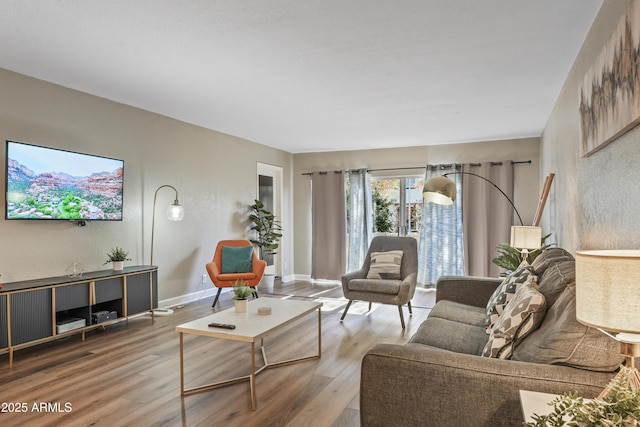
45 183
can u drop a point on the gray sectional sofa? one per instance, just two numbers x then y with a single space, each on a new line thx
440 378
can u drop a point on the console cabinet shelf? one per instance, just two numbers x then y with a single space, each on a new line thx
35 311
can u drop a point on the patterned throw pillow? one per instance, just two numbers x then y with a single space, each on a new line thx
505 292
522 315
385 265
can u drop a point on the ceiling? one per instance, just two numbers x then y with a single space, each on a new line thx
311 75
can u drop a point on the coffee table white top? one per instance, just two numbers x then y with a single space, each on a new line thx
251 326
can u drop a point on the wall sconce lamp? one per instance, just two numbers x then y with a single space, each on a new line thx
175 212
442 191
608 298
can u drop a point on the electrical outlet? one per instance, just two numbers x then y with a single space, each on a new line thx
204 279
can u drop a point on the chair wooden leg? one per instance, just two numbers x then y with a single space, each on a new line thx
215 300
401 316
346 309
410 311
255 292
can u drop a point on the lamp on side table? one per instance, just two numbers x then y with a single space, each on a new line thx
608 298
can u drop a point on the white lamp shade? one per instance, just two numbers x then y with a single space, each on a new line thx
524 237
608 289
175 212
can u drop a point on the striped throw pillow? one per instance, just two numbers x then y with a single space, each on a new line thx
385 265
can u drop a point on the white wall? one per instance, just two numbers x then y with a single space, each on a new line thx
595 202
214 173
527 178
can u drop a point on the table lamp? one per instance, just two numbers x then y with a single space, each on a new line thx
608 298
526 238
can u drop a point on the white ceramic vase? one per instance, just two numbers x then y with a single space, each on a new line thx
241 305
118 265
268 280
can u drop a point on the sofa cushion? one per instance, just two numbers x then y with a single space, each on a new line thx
389 287
562 340
385 265
504 293
449 335
549 257
522 315
457 312
555 279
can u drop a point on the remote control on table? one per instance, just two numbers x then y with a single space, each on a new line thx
222 325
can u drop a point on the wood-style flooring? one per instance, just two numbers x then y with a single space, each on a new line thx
127 374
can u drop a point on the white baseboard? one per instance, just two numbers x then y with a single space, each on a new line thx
211 292
187 298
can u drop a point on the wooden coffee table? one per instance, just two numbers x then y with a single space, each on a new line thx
251 327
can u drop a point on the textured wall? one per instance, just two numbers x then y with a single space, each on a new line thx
214 173
595 202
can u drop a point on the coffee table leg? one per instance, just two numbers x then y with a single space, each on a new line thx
319 332
252 379
181 367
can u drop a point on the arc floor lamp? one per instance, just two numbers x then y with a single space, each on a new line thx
441 190
175 212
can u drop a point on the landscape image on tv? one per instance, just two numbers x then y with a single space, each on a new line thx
47 183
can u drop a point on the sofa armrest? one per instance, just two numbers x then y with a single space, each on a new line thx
470 290
417 385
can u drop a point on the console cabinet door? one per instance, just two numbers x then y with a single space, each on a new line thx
109 289
4 338
31 316
72 296
138 293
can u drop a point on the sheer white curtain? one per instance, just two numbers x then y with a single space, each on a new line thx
440 251
360 218
487 215
328 228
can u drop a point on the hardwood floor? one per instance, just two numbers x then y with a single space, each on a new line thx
128 374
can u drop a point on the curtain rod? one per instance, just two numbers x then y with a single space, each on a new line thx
422 167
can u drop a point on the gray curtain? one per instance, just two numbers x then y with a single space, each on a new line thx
360 218
487 215
440 250
328 215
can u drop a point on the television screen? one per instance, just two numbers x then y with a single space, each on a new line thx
47 183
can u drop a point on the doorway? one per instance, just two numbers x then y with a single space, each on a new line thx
269 192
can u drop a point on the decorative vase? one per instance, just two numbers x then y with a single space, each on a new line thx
118 265
241 305
268 280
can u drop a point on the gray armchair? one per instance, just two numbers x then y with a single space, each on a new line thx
357 287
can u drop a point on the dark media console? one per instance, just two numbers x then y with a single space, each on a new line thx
36 311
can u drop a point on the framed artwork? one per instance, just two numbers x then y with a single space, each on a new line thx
610 91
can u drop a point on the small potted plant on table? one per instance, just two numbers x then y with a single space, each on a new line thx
241 293
117 256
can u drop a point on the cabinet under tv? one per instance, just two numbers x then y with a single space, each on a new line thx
41 310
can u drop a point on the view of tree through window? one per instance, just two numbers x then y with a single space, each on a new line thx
397 204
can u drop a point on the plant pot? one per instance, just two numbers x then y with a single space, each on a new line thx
268 280
118 265
241 305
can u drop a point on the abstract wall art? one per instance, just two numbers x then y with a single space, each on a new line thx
610 91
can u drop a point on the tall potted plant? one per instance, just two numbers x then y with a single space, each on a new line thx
268 232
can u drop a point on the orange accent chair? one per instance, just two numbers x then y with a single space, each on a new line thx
226 280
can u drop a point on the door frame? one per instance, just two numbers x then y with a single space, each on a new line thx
276 173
